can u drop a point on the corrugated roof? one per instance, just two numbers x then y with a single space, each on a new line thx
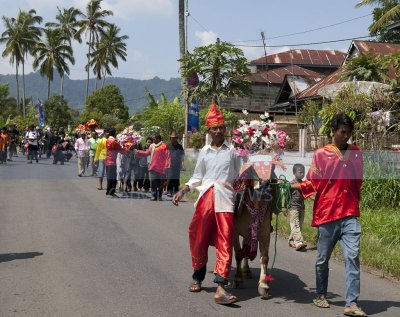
335 77
277 75
304 57
373 48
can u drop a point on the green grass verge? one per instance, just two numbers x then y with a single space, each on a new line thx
380 240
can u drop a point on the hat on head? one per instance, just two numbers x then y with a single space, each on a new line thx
173 134
214 117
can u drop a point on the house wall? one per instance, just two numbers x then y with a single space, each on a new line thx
261 97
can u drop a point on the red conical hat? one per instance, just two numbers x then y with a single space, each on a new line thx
214 117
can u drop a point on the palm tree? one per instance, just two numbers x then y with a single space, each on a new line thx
52 53
110 47
67 22
26 22
393 14
93 22
13 38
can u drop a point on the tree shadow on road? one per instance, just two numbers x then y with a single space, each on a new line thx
7 257
372 307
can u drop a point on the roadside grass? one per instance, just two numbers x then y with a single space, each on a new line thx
380 240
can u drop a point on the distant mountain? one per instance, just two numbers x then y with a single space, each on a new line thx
133 90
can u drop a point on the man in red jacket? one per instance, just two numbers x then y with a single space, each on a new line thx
335 176
110 162
160 161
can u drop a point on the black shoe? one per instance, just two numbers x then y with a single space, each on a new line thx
37 161
29 162
80 175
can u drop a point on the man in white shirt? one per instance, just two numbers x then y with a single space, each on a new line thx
212 223
33 145
82 151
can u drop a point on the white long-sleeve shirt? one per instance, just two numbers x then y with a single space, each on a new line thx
217 168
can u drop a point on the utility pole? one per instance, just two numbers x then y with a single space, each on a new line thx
182 53
265 67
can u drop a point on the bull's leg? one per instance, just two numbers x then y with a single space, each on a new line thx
263 287
238 281
246 270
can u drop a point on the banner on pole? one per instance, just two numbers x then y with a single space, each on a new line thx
193 116
40 109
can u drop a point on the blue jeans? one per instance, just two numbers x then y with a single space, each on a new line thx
348 232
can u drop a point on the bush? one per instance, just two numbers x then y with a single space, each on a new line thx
197 140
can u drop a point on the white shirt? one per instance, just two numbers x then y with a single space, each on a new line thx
82 147
32 137
217 168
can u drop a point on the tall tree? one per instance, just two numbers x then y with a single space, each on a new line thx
67 22
93 23
388 11
182 52
110 47
27 21
222 70
52 52
13 38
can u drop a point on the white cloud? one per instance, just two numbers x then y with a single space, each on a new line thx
206 38
126 8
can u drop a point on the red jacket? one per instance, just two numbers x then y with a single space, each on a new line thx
336 179
160 157
113 148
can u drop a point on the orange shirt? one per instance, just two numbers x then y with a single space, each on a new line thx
4 141
336 180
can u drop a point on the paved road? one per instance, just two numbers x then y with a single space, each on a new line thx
66 250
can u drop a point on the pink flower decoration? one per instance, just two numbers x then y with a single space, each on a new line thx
237 139
236 131
251 131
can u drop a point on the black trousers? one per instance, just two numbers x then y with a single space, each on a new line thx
111 173
173 186
156 184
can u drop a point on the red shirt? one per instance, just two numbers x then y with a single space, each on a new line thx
113 148
160 157
336 179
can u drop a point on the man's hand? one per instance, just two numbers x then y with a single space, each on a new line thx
179 195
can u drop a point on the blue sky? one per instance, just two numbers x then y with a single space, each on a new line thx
152 25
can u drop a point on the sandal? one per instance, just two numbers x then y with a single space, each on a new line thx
225 299
354 311
321 302
194 287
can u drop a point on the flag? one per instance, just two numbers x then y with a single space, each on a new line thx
40 109
193 116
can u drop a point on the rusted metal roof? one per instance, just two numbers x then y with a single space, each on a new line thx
277 75
304 57
358 47
335 77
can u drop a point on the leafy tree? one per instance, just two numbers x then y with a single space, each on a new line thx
93 22
221 68
13 38
58 113
388 11
309 115
67 23
27 22
106 100
52 53
110 47
368 68
8 105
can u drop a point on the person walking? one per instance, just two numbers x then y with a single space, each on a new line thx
4 142
144 178
82 151
335 176
100 156
110 162
177 156
212 224
12 147
32 138
159 164
93 141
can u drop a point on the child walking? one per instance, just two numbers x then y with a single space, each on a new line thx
296 212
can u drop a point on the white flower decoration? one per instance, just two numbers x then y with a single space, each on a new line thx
245 112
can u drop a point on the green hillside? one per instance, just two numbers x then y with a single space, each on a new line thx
133 90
